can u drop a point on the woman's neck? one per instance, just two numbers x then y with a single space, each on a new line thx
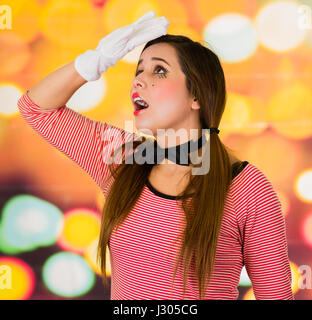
170 138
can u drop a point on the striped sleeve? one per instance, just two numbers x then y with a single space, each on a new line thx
87 142
265 249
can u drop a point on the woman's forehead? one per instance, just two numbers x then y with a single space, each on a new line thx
165 52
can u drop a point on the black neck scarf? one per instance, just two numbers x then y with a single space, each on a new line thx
154 154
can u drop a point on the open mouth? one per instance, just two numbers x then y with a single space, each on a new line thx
140 104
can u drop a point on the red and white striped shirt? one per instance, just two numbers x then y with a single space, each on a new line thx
143 250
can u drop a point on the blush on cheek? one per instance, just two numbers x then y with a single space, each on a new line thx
166 92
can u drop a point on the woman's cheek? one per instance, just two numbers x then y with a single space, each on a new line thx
166 97
165 92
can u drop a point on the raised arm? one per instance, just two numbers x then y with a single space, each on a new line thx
56 89
87 142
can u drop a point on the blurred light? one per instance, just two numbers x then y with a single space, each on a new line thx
17 279
19 233
257 118
175 12
295 275
303 186
70 23
284 202
231 36
100 200
98 3
273 153
88 96
244 280
186 31
14 53
236 114
134 55
67 274
249 295
119 13
81 227
9 95
307 72
286 69
208 10
306 229
91 257
47 56
24 18
290 111
278 26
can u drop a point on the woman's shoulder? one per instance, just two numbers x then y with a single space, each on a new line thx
248 179
238 167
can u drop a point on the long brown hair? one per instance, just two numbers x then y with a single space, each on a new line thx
204 210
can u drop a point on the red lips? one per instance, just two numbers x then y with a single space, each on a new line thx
135 95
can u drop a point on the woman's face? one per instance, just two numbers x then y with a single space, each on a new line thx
162 84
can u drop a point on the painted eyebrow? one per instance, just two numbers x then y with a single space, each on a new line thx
153 58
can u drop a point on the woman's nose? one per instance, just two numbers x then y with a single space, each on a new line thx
139 82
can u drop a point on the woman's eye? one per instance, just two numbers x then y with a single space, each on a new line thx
156 68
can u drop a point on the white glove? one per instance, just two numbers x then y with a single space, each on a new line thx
117 44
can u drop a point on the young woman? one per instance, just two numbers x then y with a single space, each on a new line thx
171 234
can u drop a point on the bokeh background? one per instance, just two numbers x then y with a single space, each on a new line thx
50 208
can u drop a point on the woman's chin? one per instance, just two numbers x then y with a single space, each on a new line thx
146 130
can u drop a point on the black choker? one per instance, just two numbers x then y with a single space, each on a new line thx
154 154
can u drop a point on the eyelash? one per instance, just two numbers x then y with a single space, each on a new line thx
163 75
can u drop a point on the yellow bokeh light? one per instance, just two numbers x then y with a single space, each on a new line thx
100 200
117 97
119 13
175 13
21 279
49 56
91 257
81 227
185 31
24 18
295 275
71 23
272 154
307 71
303 186
14 53
290 111
208 10
236 114
284 202
249 295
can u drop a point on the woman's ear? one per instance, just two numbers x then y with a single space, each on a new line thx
195 104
